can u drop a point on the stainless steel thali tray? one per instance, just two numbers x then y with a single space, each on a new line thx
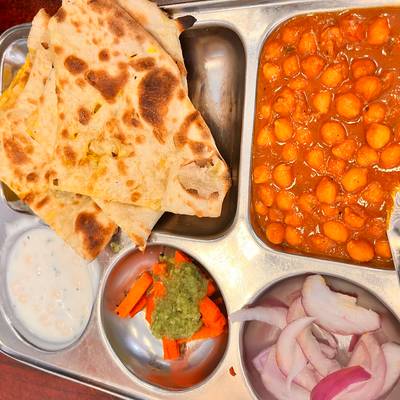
222 53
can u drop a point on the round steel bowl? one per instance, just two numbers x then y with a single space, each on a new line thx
256 336
132 341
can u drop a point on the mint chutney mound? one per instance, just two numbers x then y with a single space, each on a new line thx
176 315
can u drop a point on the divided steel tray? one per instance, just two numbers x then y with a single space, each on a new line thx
222 54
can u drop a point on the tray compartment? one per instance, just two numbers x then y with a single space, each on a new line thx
281 20
215 60
256 336
132 342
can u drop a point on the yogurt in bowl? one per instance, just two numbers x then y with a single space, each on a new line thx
51 289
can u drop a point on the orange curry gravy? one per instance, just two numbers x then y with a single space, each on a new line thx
326 152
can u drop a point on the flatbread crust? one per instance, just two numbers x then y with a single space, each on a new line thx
24 163
127 130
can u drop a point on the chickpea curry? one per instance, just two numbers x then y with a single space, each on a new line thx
326 152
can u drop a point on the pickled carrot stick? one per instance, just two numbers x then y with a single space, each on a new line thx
137 290
171 349
138 307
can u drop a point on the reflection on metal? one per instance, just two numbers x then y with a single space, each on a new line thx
221 53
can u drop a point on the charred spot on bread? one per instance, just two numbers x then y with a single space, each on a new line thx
142 64
156 90
181 137
15 151
41 203
109 86
104 55
69 155
92 232
75 65
84 115
32 177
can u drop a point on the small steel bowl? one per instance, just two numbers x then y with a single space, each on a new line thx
257 336
132 341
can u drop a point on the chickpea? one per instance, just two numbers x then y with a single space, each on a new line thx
326 190
307 202
354 217
322 243
265 137
283 129
275 233
352 28
260 208
273 50
336 231
374 112
336 167
382 249
373 193
387 78
334 75
283 175
261 174
266 195
275 215
378 135
315 158
307 44
285 102
322 102
271 71
290 35
312 66
362 67
291 65
303 136
285 200
367 156
301 113
345 150
293 236
331 40
294 218
378 31
355 179
390 156
265 111
360 250
332 133
376 228
289 152
368 87
329 210
348 105
298 83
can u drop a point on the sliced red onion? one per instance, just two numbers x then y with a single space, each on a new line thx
275 316
273 379
260 360
336 312
324 336
289 356
309 344
353 342
295 311
368 390
328 351
391 351
361 356
338 381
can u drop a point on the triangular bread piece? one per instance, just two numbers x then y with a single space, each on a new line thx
127 131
